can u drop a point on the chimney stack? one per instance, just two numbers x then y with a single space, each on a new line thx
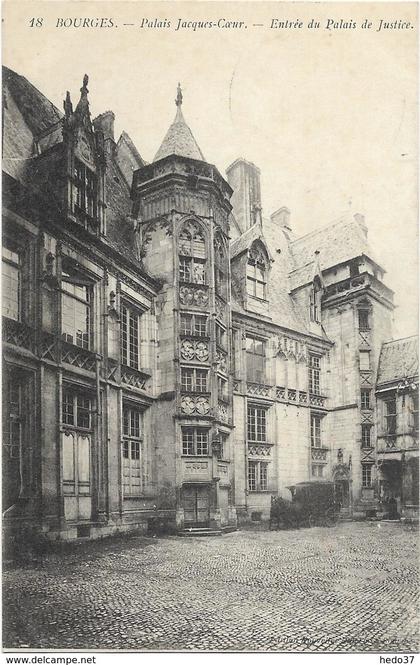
244 178
360 219
105 124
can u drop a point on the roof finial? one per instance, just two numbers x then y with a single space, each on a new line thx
85 82
178 100
82 108
68 106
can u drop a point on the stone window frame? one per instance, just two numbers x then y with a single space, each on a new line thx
256 375
366 436
365 402
314 374
390 419
195 441
257 273
363 320
197 327
130 339
257 476
367 479
192 253
196 386
316 429
76 408
73 281
317 470
256 423
85 190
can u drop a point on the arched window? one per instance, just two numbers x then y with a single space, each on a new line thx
192 254
220 267
256 274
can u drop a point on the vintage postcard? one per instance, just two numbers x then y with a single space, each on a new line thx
210 352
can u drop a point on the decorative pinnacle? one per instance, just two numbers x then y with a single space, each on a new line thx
178 100
85 83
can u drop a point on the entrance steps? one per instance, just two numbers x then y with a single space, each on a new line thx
192 532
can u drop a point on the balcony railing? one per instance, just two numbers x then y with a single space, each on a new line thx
361 281
78 357
281 393
301 396
388 442
319 454
258 389
259 449
134 377
18 333
317 400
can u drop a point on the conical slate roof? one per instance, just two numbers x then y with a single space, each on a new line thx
179 139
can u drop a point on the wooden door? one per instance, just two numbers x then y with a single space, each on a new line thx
196 502
76 476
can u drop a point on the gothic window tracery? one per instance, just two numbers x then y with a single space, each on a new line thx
192 254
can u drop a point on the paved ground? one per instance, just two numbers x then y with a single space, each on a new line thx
350 587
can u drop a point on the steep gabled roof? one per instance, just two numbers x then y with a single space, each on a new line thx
399 359
38 112
179 139
244 242
340 241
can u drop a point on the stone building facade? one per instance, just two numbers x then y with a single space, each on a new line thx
168 352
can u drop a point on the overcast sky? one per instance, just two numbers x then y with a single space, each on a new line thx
328 116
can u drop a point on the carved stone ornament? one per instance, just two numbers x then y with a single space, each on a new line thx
191 405
202 351
187 350
189 295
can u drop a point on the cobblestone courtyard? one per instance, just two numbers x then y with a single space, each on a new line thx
351 587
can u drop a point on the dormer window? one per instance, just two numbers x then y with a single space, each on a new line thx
192 255
84 190
256 274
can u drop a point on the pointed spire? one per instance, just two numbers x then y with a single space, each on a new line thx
179 139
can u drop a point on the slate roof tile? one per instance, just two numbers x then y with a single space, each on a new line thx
399 359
